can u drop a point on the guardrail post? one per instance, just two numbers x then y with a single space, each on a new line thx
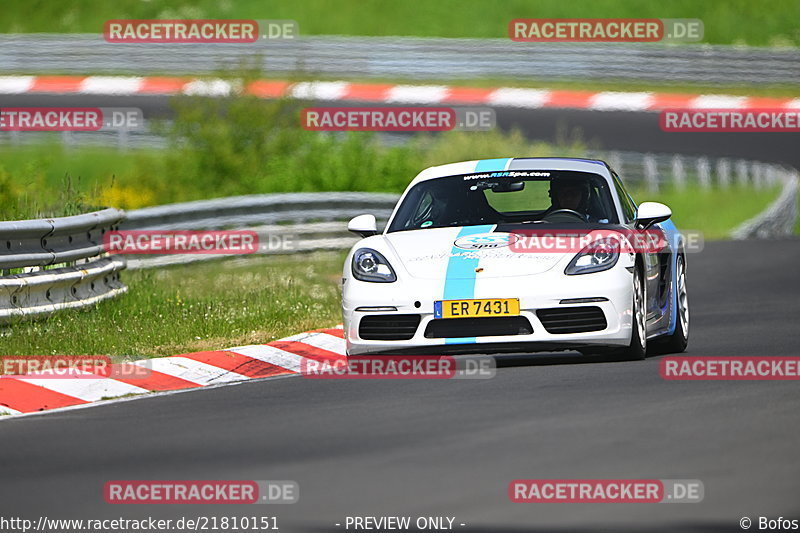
122 139
723 173
678 172
758 175
742 172
703 173
771 175
650 173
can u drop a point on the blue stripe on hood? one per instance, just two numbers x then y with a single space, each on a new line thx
459 283
490 165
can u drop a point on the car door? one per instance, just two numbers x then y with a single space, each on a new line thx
655 263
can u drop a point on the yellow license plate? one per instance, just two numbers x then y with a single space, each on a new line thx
476 308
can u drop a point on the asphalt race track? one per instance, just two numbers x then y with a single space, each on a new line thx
450 448
617 130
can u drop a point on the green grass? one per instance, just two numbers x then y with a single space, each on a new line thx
797 226
244 145
715 212
52 180
726 21
193 308
230 147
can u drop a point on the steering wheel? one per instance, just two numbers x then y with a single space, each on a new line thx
568 212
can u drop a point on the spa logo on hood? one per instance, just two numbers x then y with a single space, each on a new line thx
484 241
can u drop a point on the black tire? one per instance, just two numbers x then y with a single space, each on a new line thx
637 349
679 340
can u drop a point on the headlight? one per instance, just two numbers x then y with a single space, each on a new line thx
369 265
596 257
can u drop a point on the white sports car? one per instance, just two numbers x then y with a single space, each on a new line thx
448 274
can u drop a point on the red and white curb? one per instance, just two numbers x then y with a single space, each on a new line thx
36 392
388 93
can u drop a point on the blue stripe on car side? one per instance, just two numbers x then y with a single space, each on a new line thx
673 237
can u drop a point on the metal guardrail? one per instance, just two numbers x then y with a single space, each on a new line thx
302 221
48 265
238 211
407 58
59 263
52 264
121 139
778 220
654 172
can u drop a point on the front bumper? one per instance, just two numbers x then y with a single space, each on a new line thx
534 292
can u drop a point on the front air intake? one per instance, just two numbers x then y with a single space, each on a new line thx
562 320
443 328
388 327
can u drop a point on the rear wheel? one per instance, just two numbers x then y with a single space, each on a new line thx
677 342
637 349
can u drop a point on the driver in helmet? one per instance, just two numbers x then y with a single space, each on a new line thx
569 194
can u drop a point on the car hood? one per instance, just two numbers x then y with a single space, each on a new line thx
427 253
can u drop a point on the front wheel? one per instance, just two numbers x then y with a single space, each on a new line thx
637 349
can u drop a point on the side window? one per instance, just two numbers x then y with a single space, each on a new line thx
423 211
628 207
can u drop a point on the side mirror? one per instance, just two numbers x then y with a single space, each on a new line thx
363 225
650 213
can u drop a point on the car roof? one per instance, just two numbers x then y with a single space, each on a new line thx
594 166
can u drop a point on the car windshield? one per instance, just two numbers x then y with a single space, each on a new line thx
507 197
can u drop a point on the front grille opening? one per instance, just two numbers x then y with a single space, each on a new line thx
478 327
572 319
388 327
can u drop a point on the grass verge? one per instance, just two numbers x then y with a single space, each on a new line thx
797 225
245 146
38 181
725 21
715 212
